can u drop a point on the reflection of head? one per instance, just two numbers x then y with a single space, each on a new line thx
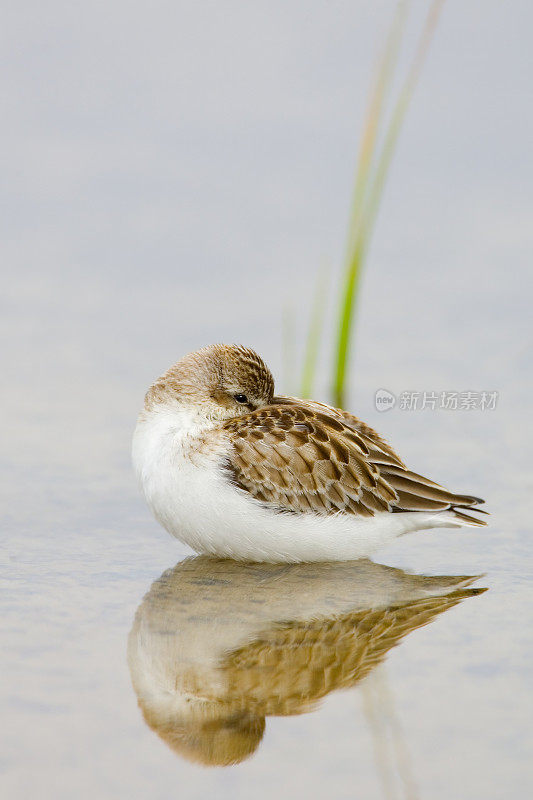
212 742
217 646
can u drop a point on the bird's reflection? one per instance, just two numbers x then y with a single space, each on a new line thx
217 646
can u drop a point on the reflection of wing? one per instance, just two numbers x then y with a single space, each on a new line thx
218 645
302 456
294 664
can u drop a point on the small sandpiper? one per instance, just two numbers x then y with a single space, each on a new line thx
233 470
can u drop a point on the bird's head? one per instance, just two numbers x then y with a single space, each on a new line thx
217 382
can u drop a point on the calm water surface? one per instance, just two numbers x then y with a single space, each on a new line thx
176 182
133 669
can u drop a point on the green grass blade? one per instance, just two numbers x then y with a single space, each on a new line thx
316 326
375 103
355 238
345 323
397 117
370 192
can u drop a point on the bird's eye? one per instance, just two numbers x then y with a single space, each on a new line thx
240 398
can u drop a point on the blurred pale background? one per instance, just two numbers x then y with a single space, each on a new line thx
175 174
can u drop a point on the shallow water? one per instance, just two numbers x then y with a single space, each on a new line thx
127 669
140 229
218 647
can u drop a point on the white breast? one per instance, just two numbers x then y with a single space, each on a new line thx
180 486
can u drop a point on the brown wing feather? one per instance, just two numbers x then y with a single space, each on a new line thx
295 461
380 450
304 456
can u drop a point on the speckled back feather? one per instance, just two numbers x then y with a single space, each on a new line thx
303 456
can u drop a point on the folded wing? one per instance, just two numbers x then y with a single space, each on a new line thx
298 457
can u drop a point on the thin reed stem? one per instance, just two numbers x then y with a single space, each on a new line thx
370 180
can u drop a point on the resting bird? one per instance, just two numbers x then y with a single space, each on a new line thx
233 470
